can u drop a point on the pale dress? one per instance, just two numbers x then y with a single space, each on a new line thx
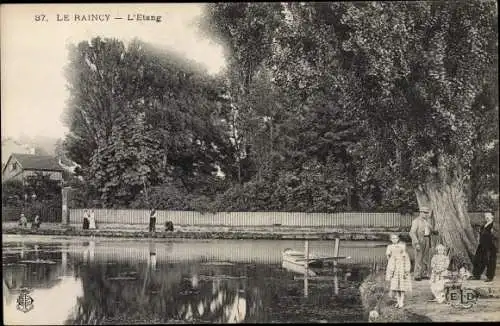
439 269
398 268
92 225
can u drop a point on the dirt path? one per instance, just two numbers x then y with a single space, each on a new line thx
418 308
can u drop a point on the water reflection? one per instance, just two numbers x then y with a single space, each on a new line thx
152 255
97 282
170 292
45 275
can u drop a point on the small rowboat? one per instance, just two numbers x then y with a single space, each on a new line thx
299 258
297 268
296 261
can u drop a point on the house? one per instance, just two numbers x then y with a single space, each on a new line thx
20 166
11 146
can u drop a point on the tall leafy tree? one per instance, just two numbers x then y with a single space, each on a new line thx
246 30
307 62
139 116
419 69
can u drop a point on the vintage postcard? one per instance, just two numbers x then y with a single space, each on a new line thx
312 162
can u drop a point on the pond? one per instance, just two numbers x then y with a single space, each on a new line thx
111 281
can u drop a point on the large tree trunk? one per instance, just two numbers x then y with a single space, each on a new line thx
450 219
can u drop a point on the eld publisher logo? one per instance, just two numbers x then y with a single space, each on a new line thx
461 298
24 301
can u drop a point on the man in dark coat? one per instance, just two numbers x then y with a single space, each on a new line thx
152 220
486 253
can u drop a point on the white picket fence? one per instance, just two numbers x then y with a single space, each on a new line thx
291 219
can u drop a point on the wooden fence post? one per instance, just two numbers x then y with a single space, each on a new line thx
65 191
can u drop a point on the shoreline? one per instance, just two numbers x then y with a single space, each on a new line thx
418 308
211 232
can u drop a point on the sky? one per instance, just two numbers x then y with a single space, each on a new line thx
34 53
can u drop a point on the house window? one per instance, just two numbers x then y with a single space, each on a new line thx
14 166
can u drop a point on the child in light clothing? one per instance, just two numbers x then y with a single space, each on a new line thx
398 269
439 269
92 225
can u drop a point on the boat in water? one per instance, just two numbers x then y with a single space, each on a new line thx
295 261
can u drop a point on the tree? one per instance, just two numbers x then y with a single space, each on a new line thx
306 57
484 166
12 193
288 114
122 166
139 116
410 76
246 30
419 69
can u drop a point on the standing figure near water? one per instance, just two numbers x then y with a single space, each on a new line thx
23 221
152 220
85 219
92 225
420 234
36 222
398 269
486 253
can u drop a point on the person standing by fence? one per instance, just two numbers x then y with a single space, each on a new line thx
92 225
420 234
36 222
85 225
23 221
152 220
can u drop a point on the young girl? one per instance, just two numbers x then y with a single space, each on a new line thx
439 269
398 269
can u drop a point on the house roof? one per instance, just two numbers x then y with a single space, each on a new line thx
37 162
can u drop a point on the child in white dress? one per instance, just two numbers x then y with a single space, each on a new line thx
439 269
398 269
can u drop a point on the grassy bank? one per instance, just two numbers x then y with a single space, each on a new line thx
375 296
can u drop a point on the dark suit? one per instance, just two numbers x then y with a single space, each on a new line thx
486 253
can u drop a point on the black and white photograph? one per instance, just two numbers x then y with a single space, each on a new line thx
250 162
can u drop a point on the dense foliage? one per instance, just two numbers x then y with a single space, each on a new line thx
37 195
323 107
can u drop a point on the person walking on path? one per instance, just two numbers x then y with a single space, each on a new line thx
152 220
486 253
420 234
398 269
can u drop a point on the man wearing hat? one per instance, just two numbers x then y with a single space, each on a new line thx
420 234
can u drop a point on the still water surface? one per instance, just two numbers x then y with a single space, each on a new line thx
103 281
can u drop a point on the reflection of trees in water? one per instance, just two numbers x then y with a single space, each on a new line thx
32 275
137 293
